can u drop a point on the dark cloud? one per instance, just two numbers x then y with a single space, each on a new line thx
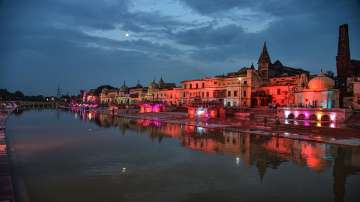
209 36
76 44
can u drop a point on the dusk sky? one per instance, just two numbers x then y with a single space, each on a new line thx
82 44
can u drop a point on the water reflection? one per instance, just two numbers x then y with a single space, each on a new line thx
149 160
263 152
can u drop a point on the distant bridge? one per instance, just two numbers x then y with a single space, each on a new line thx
37 104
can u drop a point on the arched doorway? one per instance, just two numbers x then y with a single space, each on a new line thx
313 117
301 117
291 116
325 118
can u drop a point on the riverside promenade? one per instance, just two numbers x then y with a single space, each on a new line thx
6 183
340 136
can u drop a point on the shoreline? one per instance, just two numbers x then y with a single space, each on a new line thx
338 136
7 192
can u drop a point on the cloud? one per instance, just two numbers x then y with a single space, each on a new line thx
81 44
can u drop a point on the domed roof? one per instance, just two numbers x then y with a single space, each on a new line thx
321 82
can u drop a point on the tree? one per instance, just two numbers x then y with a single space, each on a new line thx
18 95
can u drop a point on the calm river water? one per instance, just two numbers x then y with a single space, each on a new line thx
87 157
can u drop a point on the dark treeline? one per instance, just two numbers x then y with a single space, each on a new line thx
18 95
5 95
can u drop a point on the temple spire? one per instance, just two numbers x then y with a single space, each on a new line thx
264 63
161 82
264 56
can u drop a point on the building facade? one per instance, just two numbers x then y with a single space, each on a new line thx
320 93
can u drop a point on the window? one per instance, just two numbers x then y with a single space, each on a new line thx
245 82
244 93
203 85
229 93
202 94
207 94
184 85
235 93
197 85
278 91
190 85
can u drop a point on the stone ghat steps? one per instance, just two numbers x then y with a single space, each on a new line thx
6 184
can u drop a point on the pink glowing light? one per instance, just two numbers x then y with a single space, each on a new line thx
307 114
202 112
286 113
333 116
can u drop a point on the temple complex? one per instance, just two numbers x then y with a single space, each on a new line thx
270 84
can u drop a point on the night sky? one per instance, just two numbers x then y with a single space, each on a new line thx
78 44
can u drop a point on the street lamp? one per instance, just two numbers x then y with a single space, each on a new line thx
240 91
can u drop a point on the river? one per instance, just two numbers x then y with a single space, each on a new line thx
61 156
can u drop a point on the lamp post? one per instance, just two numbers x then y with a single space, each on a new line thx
240 92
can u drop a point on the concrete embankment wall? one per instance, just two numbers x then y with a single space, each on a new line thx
6 183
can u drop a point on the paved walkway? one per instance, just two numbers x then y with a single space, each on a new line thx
6 185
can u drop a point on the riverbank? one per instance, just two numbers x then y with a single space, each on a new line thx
340 136
6 183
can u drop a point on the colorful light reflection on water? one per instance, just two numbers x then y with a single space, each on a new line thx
60 159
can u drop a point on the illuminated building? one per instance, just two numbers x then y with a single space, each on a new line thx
170 96
158 91
280 90
137 93
279 82
204 90
239 86
123 95
320 93
356 96
108 95
89 96
231 90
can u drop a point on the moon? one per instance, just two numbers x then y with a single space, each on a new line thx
127 34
